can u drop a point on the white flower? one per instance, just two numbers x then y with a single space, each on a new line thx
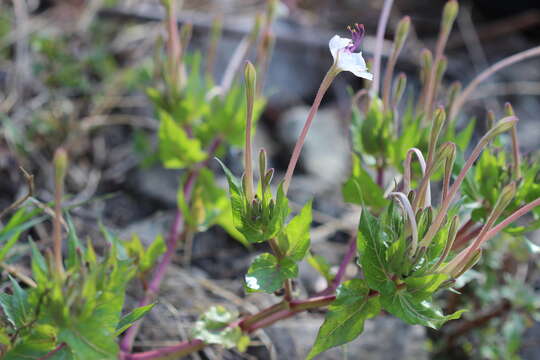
345 58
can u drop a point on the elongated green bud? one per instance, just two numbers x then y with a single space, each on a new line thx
440 69
509 110
516 154
250 76
185 36
426 59
268 176
469 264
450 12
60 164
502 126
436 128
262 165
507 195
402 31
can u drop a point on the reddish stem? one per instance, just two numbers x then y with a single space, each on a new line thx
153 287
182 349
54 351
176 229
264 318
349 255
380 176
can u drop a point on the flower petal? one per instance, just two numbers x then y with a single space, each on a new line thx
337 43
355 63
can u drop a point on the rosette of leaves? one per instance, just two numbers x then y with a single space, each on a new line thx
77 315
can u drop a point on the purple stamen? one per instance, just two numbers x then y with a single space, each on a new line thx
357 34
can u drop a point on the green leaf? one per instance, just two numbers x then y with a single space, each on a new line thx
423 287
267 274
294 241
213 328
152 253
176 149
272 218
36 345
371 195
16 307
129 319
372 250
345 318
405 306
40 271
20 221
74 245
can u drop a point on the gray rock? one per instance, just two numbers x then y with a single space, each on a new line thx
326 151
157 184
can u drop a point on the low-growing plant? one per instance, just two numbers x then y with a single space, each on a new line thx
412 243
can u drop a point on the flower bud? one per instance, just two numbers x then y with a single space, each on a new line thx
453 92
506 196
262 164
508 109
268 176
449 15
402 31
436 127
503 125
250 76
440 69
60 165
426 62
472 260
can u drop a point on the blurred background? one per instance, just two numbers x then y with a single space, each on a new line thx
74 73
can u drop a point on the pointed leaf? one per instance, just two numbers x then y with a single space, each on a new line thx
345 318
267 274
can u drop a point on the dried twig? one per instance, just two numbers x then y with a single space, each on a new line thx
30 182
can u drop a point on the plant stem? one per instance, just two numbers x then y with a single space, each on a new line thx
381 29
380 176
349 255
176 228
57 226
182 349
250 320
159 273
510 219
325 84
465 94
54 351
248 324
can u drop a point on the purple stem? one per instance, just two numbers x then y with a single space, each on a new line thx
176 229
271 315
153 287
179 350
54 351
380 176
349 255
